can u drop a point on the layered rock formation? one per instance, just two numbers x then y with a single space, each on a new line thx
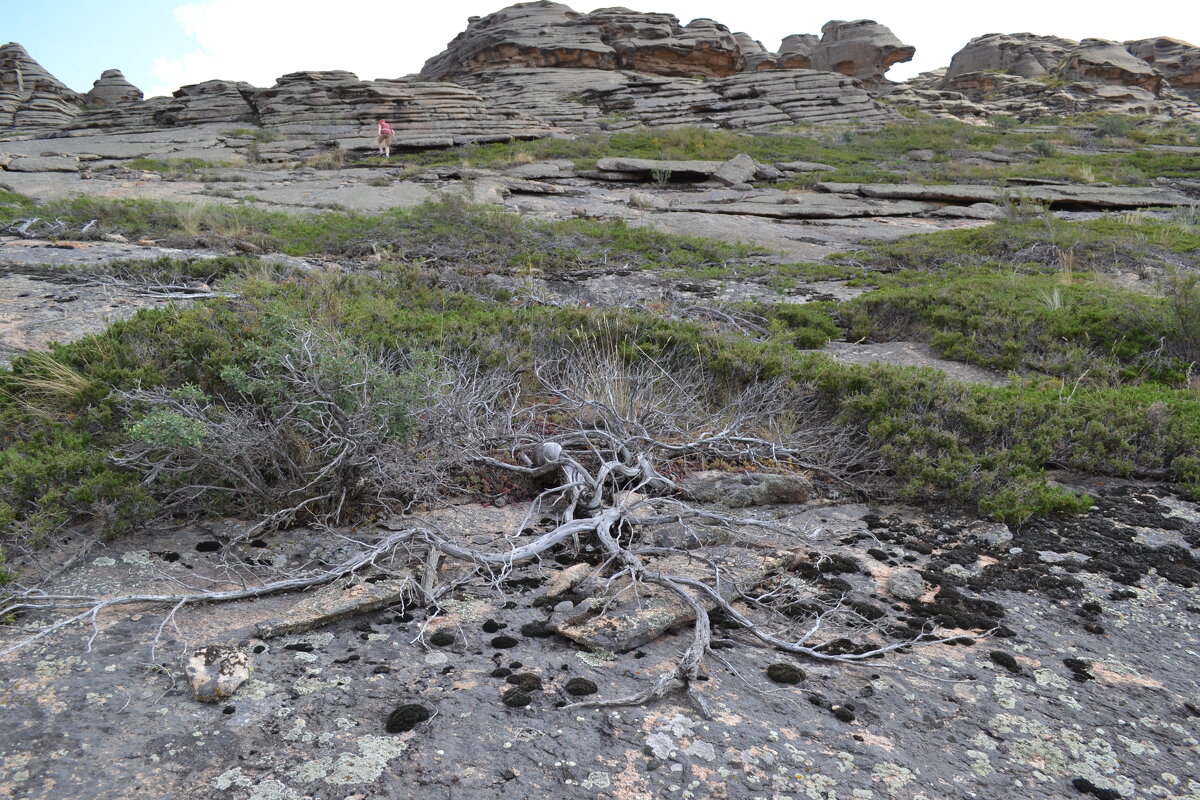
1030 76
1025 55
111 90
31 99
584 100
547 34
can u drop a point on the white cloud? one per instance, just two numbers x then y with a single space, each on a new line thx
259 40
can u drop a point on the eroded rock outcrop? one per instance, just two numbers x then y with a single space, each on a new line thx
862 49
1102 61
547 34
1025 55
31 99
1028 77
551 35
1178 61
111 89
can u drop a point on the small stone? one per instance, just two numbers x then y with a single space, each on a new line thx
580 687
844 714
516 698
217 671
115 238
785 673
407 717
906 584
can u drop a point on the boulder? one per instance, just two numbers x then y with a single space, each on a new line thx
906 584
217 671
547 34
754 53
796 51
111 90
862 49
737 171
1178 61
1102 61
1026 55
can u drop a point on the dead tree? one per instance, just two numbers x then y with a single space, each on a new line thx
605 437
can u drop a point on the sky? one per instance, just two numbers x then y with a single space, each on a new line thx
161 45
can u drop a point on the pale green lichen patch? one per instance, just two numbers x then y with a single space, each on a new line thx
374 753
268 789
138 557
893 776
597 780
597 658
104 561
981 765
1045 677
255 689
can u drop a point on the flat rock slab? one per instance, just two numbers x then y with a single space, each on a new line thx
814 206
646 167
946 722
912 354
44 164
635 616
1092 196
337 601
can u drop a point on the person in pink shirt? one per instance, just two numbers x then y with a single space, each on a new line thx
385 139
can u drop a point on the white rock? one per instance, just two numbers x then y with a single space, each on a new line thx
216 671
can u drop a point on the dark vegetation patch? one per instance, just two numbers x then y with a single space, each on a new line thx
580 687
442 639
526 681
516 698
785 673
407 717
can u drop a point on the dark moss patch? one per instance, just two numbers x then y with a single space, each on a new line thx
504 642
501 672
1005 660
1084 786
536 630
491 626
526 681
580 687
442 639
785 673
844 714
407 717
516 698
299 647
208 547
1080 669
